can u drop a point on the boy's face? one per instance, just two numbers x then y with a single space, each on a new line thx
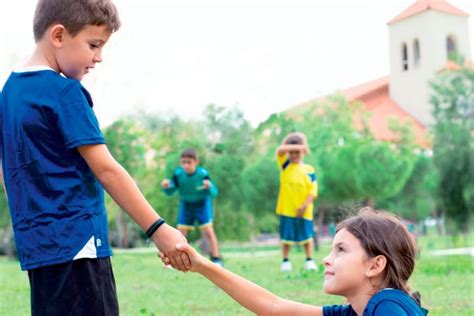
77 55
295 156
189 164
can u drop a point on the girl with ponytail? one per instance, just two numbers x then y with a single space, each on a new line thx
372 258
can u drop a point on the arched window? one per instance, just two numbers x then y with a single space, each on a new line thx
404 57
416 52
451 47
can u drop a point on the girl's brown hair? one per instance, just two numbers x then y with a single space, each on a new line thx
382 233
74 15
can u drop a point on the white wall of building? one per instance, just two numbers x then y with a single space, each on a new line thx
410 89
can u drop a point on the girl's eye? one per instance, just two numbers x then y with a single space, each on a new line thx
93 46
340 249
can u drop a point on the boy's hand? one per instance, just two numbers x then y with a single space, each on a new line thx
166 238
198 262
300 211
165 184
206 184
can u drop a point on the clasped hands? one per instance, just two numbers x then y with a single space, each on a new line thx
166 240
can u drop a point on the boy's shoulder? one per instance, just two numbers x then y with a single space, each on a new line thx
202 171
46 80
308 168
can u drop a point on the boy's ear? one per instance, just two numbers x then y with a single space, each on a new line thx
57 35
375 266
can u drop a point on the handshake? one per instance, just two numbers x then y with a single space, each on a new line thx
174 250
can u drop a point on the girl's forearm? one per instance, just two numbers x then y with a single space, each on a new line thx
254 297
248 294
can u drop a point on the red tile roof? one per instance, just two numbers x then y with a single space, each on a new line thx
423 5
382 109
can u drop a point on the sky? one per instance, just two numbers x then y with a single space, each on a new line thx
175 57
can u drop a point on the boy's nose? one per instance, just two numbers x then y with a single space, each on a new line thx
98 58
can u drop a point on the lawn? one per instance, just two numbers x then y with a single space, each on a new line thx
145 288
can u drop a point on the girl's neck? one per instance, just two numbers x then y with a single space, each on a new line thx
359 300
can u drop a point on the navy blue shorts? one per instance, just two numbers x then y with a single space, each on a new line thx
79 287
199 212
295 230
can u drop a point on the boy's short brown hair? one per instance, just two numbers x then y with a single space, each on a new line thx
189 153
74 15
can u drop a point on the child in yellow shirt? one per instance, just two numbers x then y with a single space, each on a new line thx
298 189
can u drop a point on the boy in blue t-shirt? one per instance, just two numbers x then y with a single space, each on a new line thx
196 191
56 164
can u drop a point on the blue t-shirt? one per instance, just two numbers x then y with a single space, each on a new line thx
385 302
190 185
56 203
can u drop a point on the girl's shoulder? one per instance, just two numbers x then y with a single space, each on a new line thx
393 302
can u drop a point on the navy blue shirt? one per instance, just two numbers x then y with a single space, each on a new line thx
385 302
56 203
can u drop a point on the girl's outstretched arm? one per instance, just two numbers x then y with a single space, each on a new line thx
250 295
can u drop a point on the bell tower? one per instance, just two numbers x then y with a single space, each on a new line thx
423 39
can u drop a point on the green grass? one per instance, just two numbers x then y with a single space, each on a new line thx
145 288
434 241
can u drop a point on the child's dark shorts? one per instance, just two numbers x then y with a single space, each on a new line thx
295 230
79 287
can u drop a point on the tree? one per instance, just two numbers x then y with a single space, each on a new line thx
353 165
453 150
127 143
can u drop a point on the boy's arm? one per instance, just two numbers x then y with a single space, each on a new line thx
313 186
120 185
213 190
171 186
211 186
301 210
283 149
250 295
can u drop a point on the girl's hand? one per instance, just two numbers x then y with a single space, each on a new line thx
198 262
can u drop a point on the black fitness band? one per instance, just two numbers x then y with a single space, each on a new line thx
154 227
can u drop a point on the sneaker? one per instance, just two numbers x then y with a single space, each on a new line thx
310 265
286 266
217 262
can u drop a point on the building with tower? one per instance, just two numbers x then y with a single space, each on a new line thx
424 39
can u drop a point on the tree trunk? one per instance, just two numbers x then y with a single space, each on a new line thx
120 232
7 242
319 225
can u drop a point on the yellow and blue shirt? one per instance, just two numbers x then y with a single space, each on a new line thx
297 182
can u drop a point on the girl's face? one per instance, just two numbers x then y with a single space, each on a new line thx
346 266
